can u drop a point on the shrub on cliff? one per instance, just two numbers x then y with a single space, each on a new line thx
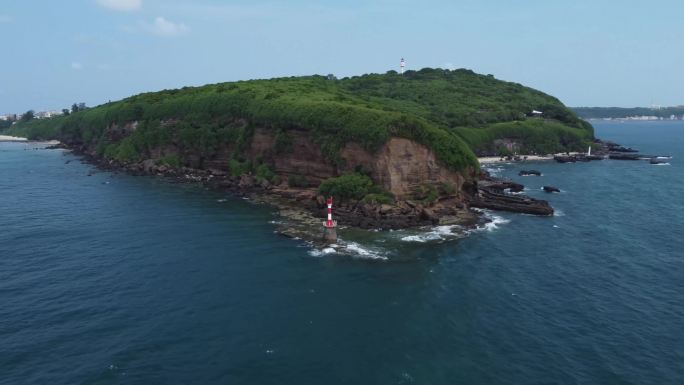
345 187
174 161
124 151
354 187
238 168
263 171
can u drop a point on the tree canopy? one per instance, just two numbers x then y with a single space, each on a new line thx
452 112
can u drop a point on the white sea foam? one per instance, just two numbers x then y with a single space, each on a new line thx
494 222
321 252
662 164
438 233
221 200
558 213
494 170
360 252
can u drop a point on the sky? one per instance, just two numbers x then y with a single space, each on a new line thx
587 53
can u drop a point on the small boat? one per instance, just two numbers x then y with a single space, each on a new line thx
551 189
657 160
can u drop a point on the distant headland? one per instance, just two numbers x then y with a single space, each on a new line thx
632 113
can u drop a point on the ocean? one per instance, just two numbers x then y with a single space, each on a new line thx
107 278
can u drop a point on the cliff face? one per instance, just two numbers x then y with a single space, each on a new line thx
304 158
400 166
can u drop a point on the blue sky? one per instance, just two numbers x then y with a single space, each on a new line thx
587 53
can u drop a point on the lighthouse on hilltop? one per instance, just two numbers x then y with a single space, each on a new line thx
402 64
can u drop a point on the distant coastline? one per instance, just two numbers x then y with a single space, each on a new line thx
634 113
635 119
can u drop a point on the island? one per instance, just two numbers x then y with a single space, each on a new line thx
394 150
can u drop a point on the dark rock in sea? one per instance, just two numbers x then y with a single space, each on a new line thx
622 149
490 199
502 185
624 156
565 158
551 189
529 173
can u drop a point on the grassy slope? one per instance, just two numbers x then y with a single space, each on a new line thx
452 112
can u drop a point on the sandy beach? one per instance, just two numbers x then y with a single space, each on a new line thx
529 158
5 138
524 158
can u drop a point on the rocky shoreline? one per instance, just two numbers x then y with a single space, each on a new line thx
305 205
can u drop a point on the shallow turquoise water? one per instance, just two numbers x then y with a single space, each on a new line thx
108 279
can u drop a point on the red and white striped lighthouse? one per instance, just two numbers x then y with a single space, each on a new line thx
402 64
329 231
329 222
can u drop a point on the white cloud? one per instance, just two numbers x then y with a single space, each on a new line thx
166 28
121 5
76 66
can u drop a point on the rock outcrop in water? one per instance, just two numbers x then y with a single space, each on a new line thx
529 173
551 189
492 194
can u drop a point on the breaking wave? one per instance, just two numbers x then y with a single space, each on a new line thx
494 170
494 221
360 252
439 233
352 249
321 252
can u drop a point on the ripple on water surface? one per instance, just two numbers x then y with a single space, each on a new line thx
141 281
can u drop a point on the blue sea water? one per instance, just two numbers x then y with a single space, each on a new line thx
113 279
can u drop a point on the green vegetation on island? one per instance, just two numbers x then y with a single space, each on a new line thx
455 113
